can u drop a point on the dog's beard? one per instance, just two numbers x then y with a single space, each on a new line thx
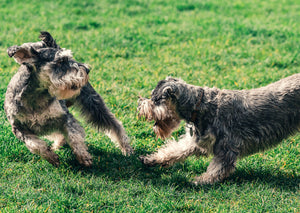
65 94
66 86
164 128
165 117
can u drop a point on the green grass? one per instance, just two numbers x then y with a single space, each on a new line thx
131 44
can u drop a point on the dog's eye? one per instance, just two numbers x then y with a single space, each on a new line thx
62 60
74 87
158 101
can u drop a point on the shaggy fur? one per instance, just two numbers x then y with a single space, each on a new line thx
36 101
228 124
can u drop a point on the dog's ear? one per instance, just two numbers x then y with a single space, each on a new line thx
171 91
48 39
23 55
171 79
11 51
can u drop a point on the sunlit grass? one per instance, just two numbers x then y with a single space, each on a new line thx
131 45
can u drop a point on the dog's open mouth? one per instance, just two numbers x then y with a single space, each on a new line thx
166 119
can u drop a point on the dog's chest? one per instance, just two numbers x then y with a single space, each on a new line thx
40 118
207 141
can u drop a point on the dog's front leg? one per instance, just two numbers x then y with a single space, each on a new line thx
118 135
74 133
37 146
221 166
173 152
97 113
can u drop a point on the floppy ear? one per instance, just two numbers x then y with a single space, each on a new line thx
12 50
22 55
48 39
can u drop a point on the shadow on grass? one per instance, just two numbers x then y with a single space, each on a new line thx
116 167
267 176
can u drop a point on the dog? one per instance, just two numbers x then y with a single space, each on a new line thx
48 81
228 124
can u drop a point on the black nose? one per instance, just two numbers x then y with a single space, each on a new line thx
74 87
87 69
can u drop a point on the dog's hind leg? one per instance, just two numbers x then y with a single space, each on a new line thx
173 152
95 111
37 146
74 133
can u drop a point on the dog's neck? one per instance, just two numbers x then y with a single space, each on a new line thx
33 95
189 102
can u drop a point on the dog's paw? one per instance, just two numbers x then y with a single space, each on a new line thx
204 179
85 159
127 151
150 161
52 158
147 161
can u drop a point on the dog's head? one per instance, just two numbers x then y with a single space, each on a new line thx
55 67
162 107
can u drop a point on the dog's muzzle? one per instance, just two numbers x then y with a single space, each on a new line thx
166 120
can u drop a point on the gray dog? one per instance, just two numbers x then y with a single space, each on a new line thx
37 97
229 124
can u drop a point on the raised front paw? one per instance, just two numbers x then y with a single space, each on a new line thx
124 145
127 151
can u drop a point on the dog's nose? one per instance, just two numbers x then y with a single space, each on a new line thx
86 67
74 87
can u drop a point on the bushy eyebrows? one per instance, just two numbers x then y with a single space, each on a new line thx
47 53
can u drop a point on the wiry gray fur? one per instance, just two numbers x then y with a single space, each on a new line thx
36 101
229 124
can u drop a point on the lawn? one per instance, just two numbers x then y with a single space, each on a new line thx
131 45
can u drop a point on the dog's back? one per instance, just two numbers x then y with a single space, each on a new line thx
15 89
261 118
